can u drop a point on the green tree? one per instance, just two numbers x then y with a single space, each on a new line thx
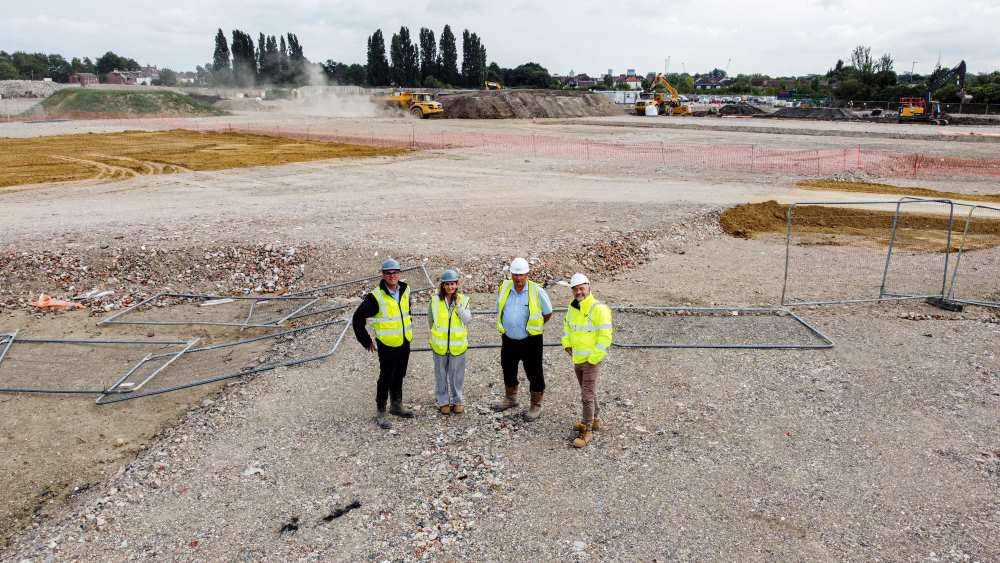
7 70
403 59
428 54
30 66
168 77
532 75
271 70
261 58
282 60
448 53
296 61
473 60
378 66
244 59
59 68
220 59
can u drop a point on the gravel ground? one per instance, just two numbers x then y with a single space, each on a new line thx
882 448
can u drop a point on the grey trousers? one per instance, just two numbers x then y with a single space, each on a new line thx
449 379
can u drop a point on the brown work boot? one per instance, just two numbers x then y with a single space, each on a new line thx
595 425
586 435
458 408
535 410
444 409
508 402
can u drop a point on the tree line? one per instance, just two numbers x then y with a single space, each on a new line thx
426 62
20 65
272 60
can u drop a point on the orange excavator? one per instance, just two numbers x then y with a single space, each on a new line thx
673 106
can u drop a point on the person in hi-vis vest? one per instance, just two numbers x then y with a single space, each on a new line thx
448 317
587 334
523 308
389 304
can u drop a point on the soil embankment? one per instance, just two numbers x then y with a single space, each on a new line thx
524 104
89 102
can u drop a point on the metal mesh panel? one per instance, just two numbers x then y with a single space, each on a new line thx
919 250
975 275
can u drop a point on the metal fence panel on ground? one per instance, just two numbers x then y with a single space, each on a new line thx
79 366
919 249
714 328
242 311
230 360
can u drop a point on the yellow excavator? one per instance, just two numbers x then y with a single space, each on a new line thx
418 104
492 85
673 106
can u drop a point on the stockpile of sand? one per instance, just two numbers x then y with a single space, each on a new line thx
522 104
829 114
29 88
739 109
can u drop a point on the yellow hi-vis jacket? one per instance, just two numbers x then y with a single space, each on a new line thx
588 330
393 322
448 333
536 322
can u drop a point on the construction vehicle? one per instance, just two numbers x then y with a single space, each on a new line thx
673 106
928 110
417 104
492 85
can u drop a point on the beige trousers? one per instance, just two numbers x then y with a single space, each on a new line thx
586 375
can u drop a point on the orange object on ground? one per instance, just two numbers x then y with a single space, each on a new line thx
52 304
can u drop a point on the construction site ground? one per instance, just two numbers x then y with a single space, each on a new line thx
881 448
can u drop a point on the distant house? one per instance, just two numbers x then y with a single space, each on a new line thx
708 82
83 78
128 77
632 81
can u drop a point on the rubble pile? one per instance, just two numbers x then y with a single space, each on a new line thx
524 104
29 88
115 277
827 114
740 109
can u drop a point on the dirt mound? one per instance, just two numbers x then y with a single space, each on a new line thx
523 104
829 225
85 102
827 114
838 185
740 109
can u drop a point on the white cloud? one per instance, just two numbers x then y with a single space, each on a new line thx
586 36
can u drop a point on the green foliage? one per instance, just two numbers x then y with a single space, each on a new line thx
473 60
220 59
168 77
244 59
403 58
85 100
448 53
428 54
378 66
341 73
7 70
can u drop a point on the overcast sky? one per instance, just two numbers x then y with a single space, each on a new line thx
772 37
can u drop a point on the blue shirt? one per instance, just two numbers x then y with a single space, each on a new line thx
515 311
395 294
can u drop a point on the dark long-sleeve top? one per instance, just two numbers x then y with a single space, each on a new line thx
367 309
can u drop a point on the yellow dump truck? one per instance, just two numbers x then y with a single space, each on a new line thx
417 104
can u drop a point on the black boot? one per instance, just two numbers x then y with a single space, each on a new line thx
382 421
396 408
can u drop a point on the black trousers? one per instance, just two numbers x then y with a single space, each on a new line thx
528 352
391 371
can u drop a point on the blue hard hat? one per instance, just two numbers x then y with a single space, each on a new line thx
449 276
390 264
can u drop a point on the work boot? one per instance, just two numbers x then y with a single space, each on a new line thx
595 425
509 401
396 408
586 435
444 409
458 408
535 410
382 421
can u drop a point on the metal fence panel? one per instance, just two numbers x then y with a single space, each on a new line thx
975 275
919 249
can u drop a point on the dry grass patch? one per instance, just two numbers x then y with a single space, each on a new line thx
874 188
841 225
116 156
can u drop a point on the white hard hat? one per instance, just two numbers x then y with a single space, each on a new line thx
449 276
578 279
519 266
390 264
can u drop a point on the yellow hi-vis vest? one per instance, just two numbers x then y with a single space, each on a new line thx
393 321
536 323
588 331
448 334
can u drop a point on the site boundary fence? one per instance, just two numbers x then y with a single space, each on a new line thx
966 253
892 255
743 158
